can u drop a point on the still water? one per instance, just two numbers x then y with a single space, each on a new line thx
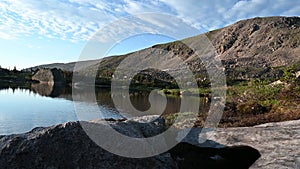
22 109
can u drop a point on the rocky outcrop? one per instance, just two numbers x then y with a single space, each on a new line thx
278 143
49 76
68 146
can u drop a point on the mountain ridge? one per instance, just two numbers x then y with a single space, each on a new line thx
248 48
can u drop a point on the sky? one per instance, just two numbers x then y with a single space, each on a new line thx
35 32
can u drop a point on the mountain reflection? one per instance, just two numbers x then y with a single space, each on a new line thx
127 103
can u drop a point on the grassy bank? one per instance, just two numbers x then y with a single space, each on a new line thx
261 101
255 102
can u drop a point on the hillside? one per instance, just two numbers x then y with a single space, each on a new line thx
248 49
272 41
63 66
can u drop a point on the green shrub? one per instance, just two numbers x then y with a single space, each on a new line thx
171 118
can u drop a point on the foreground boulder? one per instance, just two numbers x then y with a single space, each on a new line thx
278 143
68 146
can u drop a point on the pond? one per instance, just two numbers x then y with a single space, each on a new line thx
24 108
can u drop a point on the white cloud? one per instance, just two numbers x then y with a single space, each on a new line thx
204 14
51 19
153 23
135 7
77 20
255 8
212 14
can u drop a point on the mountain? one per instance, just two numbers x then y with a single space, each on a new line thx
250 48
272 41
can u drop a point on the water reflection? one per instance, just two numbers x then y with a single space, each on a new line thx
28 106
139 100
48 89
22 110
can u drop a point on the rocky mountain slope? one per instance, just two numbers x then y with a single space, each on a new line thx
248 49
272 41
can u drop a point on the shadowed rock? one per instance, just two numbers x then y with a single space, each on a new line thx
236 157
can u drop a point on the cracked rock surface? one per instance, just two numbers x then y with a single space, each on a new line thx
278 143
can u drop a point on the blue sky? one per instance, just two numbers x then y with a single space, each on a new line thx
34 32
